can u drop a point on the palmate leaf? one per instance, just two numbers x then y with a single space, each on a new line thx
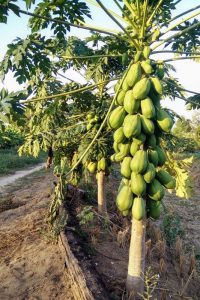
71 11
193 102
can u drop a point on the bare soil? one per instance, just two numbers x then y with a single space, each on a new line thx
31 265
173 268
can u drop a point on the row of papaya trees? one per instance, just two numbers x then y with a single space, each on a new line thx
93 126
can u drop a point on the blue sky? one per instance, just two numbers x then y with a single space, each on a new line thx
187 70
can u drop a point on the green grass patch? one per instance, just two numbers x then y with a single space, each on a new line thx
10 161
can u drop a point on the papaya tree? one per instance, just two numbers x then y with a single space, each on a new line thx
140 123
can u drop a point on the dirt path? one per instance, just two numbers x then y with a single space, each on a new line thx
31 266
5 180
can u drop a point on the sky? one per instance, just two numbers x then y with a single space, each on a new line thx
187 71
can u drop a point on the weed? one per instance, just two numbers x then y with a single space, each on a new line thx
171 227
86 216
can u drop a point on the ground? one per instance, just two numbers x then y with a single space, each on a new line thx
31 264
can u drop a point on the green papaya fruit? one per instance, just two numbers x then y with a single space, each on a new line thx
125 167
160 69
112 158
92 166
164 120
146 66
137 56
125 213
141 89
155 190
147 108
119 136
150 173
117 117
134 74
155 35
115 147
166 179
89 126
140 139
153 209
132 126
89 116
138 208
138 185
147 125
151 141
146 52
123 182
125 85
139 162
134 147
157 86
101 165
124 198
124 151
116 86
155 98
161 156
120 97
131 105
153 157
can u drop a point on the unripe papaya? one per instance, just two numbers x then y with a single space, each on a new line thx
125 85
123 182
161 156
137 56
157 86
155 98
125 213
139 162
124 151
160 70
134 147
150 173
141 89
125 167
131 105
153 157
120 97
101 166
153 208
146 66
124 198
155 190
140 139
119 136
134 74
147 108
92 166
116 86
112 158
117 117
151 141
132 126
89 126
138 208
147 125
166 179
164 120
156 35
146 52
115 147
138 185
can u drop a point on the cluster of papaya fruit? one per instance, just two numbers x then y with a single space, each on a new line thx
101 164
139 122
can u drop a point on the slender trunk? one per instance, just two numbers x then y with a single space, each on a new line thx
136 265
101 193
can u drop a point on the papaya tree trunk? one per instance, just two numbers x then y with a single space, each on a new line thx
101 193
136 265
